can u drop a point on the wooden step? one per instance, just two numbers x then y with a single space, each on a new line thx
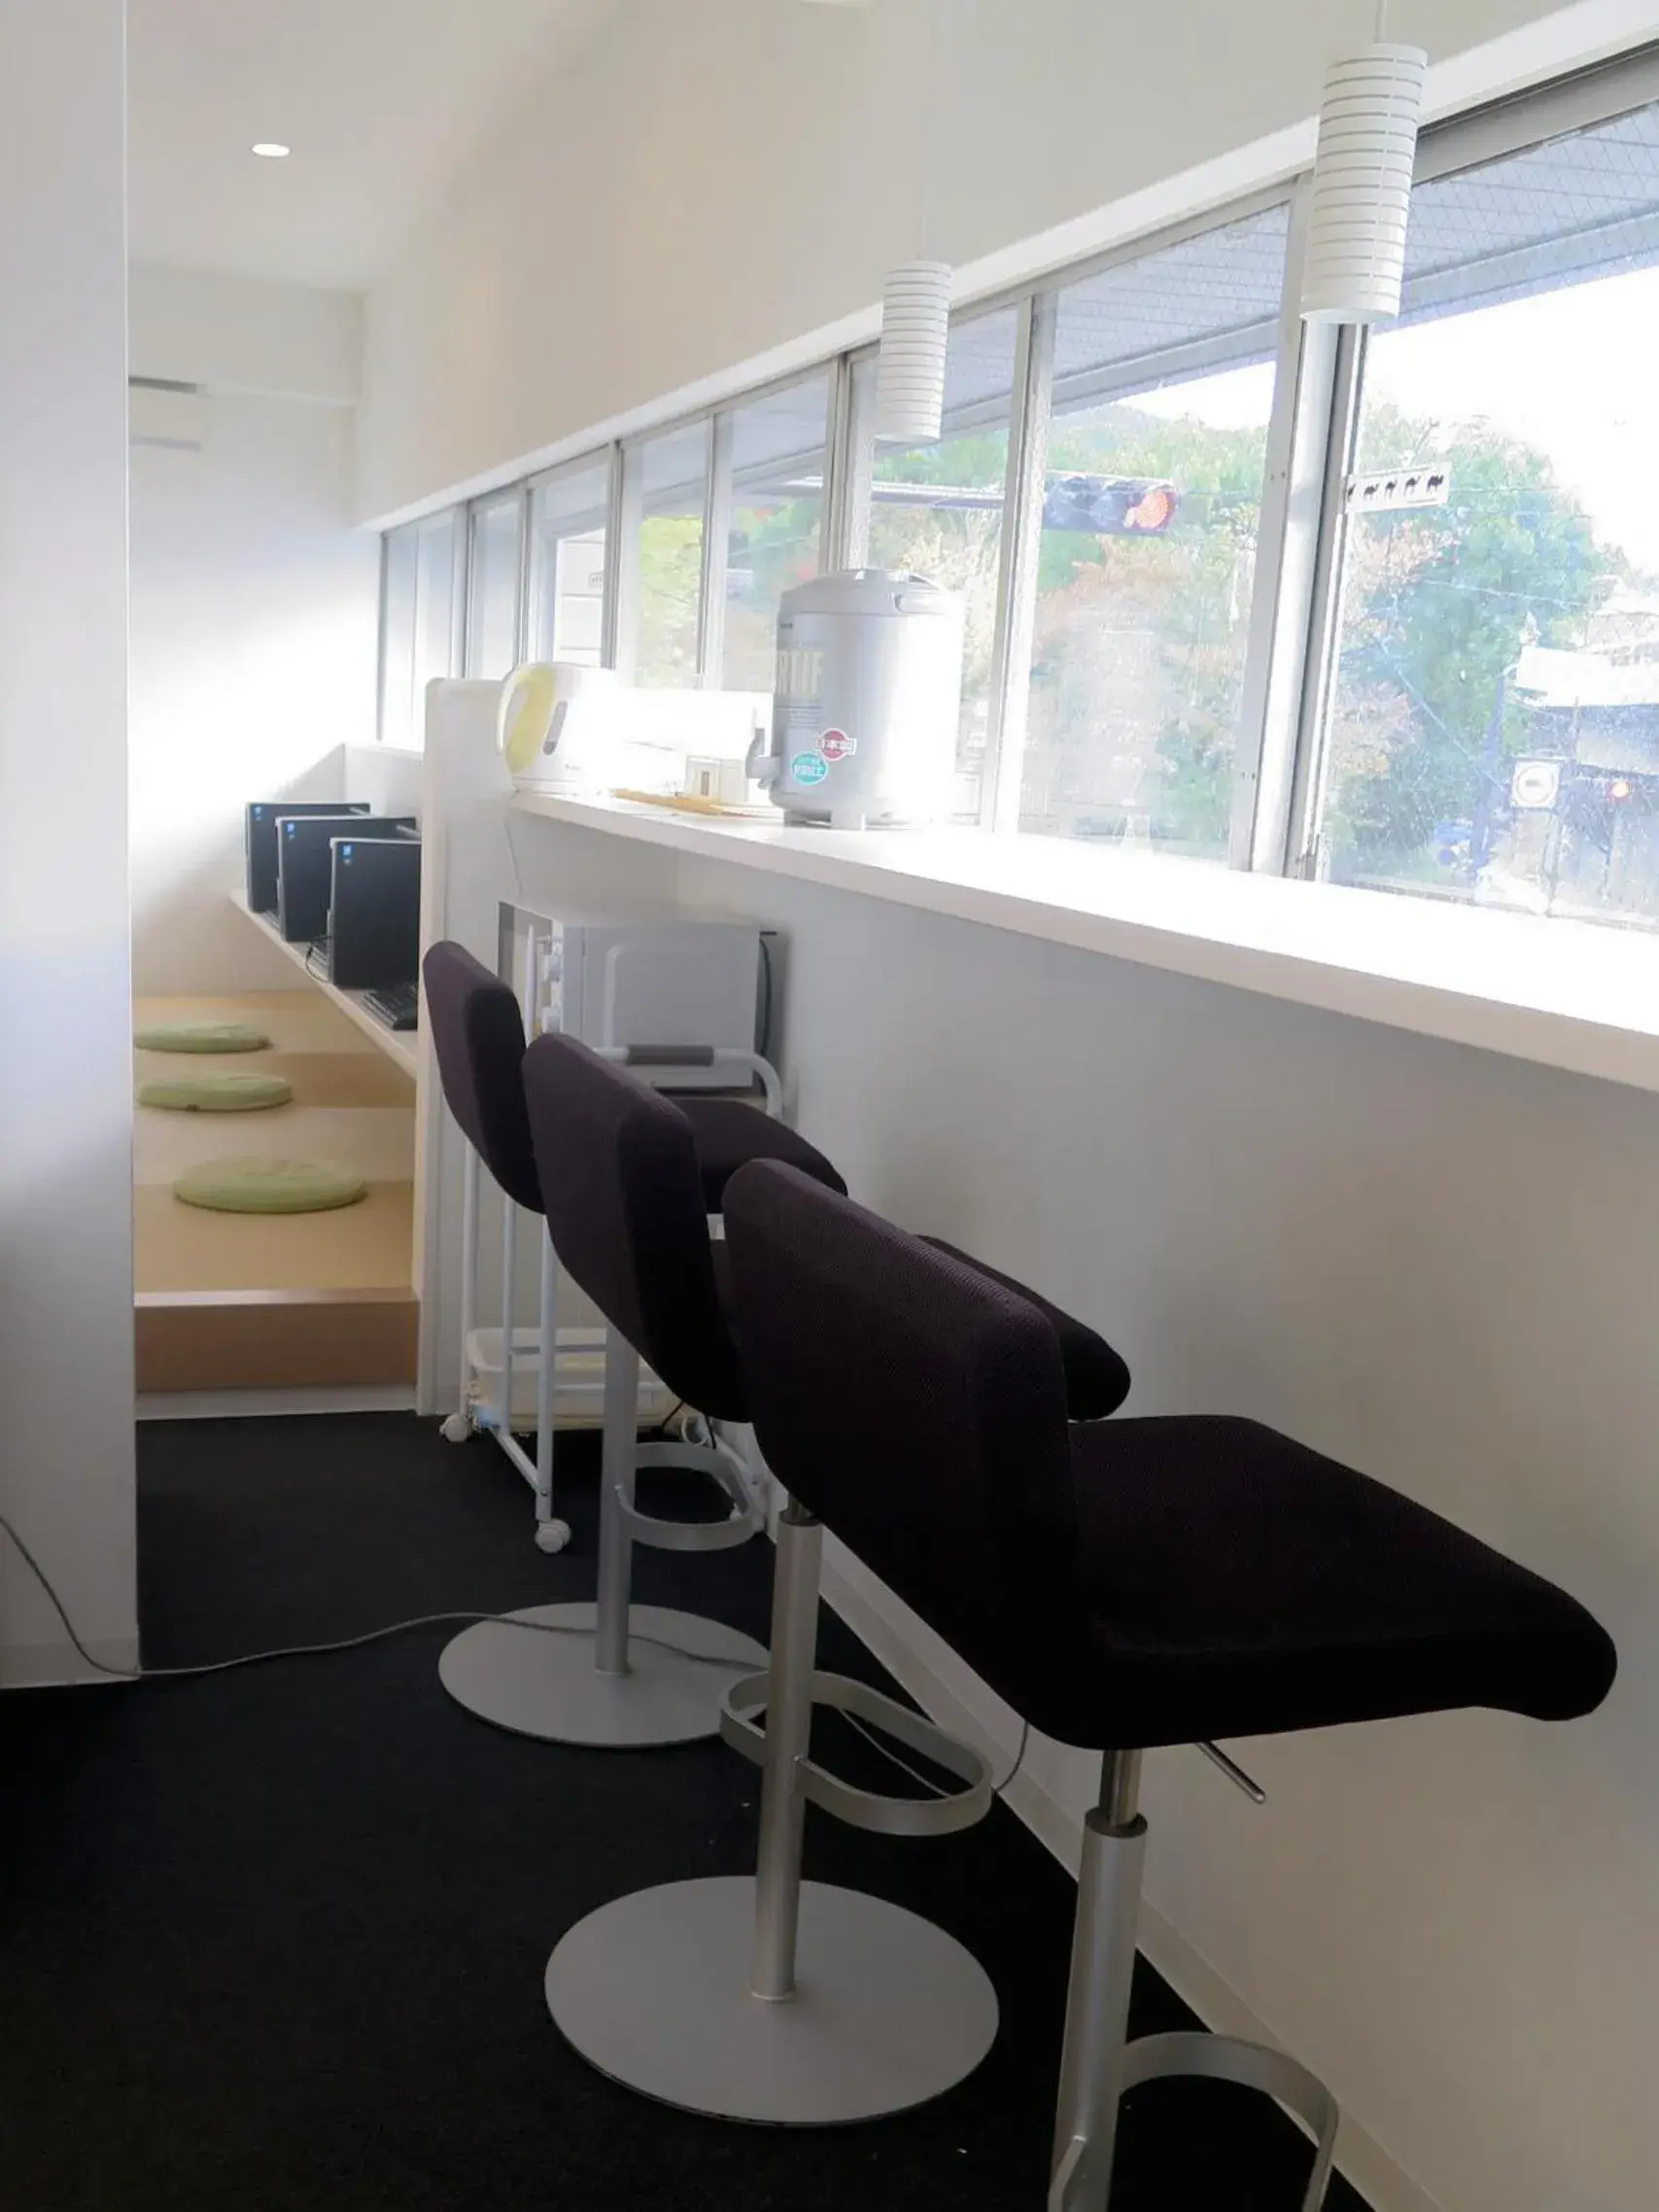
274 1340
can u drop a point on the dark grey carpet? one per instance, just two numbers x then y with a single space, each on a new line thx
273 1941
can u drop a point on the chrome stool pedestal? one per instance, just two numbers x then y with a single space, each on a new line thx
766 1997
1099 2064
611 1675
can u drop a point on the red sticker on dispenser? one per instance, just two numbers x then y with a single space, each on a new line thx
836 744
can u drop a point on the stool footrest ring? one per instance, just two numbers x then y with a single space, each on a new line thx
1251 2066
862 1808
746 1519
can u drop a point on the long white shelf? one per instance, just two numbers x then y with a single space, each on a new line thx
403 1046
1567 993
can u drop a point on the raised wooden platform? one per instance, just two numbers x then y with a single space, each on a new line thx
190 1340
239 1302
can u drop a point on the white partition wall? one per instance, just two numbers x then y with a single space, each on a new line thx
254 599
66 1468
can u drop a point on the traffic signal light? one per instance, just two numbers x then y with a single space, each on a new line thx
1109 507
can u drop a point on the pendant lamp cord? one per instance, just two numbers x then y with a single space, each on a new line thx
930 133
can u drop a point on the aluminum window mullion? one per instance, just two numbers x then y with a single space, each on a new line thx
622 561
459 556
1003 776
382 637
520 617
716 544
612 556
835 539
860 463
1325 628
1287 544
468 585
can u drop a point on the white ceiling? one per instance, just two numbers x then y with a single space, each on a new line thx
381 100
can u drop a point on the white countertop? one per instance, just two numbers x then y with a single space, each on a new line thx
1569 995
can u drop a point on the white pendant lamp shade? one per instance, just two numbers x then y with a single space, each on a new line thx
1362 186
910 374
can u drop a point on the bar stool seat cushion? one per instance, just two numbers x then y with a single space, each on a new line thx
1237 1583
730 1131
1126 1583
1098 1380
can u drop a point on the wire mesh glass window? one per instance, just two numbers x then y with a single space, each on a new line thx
1163 387
1492 735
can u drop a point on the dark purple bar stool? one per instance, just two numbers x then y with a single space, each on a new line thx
625 1196
507 1675
1127 1585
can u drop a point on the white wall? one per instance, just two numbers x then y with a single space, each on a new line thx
245 334
254 603
712 182
1435 1263
66 1467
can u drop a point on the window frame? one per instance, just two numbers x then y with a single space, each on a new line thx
1027 479
608 458
1556 110
454 518
723 487
518 495
630 471
858 499
1283 744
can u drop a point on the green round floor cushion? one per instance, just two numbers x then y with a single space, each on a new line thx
202 1037
214 1091
270 1186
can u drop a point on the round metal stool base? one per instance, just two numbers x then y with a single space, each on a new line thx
547 1685
888 2012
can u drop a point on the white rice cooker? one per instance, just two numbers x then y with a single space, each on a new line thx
868 700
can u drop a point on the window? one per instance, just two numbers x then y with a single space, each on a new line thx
1448 682
939 510
779 458
1162 395
418 616
1493 731
492 585
569 515
673 478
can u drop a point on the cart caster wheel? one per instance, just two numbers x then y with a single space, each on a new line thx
456 1429
552 1535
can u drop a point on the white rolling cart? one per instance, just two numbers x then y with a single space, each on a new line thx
669 997
674 994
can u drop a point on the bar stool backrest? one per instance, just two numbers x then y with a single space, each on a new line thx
623 1194
917 1406
479 1038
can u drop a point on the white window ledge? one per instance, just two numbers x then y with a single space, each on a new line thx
1569 995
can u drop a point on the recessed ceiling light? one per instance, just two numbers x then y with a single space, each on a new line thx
271 150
